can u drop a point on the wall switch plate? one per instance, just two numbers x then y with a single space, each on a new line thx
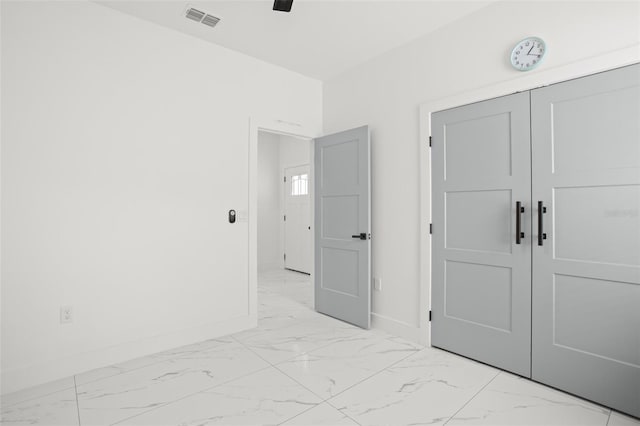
66 314
377 284
243 216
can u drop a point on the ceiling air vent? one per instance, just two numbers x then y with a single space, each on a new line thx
210 20
194 14
202 17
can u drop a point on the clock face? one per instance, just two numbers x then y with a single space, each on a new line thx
528 53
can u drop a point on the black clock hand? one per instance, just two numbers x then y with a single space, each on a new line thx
529 52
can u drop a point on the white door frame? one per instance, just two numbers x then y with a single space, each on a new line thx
520 82
256 124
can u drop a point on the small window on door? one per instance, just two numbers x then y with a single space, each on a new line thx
299 185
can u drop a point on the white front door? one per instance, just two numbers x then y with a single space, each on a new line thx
297 219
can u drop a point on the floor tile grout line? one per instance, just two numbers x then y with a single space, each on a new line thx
75 391
323 400
316 406
296 355
75 385
194 393
328 400
35 397
472 398
345 414
298 415
156 361
313 392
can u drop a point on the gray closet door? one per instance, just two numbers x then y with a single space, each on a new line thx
343 226
586 273
481 276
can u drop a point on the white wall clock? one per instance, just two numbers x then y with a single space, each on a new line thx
528 53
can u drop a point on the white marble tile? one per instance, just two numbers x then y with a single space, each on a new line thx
512 400
266 397
124 395
270 305
123 367
425 388
619 419
112 370
58 408
224 381
322 414
331 369
281 344
36 391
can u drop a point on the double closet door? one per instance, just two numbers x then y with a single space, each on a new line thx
536 235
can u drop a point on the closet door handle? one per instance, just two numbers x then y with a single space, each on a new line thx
519 211
541 235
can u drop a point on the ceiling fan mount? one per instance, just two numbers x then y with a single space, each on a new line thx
282 5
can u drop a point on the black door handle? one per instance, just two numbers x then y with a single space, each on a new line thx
541 234
519 211
361 236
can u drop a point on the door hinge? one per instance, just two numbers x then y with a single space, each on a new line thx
285 178
429 316
429 141
285 217
431 228
285 256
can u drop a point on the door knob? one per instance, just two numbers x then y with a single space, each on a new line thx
541 234
519 211
362 236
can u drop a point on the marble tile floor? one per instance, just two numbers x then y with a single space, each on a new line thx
300 368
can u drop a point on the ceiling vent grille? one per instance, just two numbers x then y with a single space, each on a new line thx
210 20
202 17
194 14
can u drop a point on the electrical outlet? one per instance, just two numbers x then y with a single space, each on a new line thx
66 314
377 284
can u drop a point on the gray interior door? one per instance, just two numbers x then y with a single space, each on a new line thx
481 273
342 226
586 273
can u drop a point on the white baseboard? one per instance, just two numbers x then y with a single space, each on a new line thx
38 374
399 328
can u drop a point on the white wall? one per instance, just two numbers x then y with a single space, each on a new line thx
269 200
294 152
466 55
275 153
124 145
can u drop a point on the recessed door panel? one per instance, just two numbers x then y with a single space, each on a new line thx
462 151
586 128
586 267
481 273
486 226
466 300
597 224
610 337
344 158
339 216
340 268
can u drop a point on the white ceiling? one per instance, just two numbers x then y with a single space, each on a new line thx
319 39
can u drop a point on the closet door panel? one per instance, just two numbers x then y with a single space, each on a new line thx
586 273
481 306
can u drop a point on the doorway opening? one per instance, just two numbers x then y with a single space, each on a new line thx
285 235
